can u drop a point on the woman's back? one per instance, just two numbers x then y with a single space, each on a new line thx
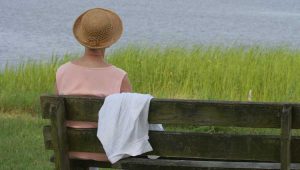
74 79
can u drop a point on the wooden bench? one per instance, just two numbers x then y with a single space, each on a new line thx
182 150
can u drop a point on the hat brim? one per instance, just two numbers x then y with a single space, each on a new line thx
115 36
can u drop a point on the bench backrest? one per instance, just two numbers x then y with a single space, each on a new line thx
283 148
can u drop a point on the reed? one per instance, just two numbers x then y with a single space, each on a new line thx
198 72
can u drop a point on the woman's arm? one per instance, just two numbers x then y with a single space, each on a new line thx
126 86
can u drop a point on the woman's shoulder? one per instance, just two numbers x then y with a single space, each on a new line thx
63 66
119 70
71 67
60 71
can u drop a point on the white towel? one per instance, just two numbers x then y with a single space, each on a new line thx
123 125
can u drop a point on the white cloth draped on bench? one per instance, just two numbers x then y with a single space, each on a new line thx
123 125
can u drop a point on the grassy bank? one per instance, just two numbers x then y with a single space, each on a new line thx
21 143
213 73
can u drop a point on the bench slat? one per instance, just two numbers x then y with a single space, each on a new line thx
217 114
198 145
202 113
166 164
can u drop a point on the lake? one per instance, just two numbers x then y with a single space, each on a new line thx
35 29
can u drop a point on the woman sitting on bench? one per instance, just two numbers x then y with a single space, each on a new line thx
95 29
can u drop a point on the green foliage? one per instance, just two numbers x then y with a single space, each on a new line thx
200 72
21 86
213 73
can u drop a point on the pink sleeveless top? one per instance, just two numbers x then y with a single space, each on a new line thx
72 79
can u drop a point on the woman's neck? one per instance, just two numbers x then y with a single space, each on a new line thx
92 58
94 54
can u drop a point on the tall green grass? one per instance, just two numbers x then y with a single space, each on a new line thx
199 72
21 85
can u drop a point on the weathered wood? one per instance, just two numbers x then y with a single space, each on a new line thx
286 121
94 103
296 115
91 102
215 146
166 164
200 145
47 137
84 140
89 163
190 149
75 165
46 102
59 135
52 159
240 114
195 145
85 163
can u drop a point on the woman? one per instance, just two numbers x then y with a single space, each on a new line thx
95 29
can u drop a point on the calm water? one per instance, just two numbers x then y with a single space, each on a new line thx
35 29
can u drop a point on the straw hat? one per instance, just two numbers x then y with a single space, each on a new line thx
97 28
